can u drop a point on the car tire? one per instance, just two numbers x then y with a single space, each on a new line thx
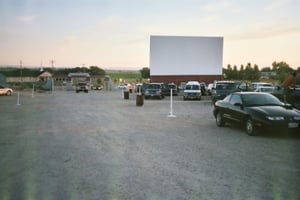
250 127
219 119
8 93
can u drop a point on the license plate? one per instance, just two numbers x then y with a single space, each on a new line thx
293 125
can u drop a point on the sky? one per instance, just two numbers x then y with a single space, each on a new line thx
116 33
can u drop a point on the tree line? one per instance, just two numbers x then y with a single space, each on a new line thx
281 71
15 72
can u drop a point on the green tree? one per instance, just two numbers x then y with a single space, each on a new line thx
145 72
94 70
235 73
282 70
242 72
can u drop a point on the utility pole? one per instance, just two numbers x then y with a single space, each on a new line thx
52 64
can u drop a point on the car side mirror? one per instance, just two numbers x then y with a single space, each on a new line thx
239 104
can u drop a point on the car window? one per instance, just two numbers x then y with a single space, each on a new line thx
227 98
235 99
260 99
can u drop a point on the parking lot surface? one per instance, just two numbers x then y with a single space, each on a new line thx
97 145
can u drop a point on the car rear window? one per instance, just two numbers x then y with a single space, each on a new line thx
153 86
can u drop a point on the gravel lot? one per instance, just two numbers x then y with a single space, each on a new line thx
97 145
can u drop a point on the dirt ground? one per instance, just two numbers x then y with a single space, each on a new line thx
97 145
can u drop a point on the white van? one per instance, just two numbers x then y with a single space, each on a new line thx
192 90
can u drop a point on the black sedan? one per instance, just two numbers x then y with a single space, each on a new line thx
256 110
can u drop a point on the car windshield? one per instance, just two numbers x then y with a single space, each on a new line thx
260 99
192 87
225 86
153 86
172 86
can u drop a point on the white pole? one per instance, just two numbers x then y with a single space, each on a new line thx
18 99
171 104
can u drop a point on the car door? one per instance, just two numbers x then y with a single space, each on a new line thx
235 110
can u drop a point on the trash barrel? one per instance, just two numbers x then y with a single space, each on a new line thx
139 100
126 95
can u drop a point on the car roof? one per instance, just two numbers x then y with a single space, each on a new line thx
155 83
193 83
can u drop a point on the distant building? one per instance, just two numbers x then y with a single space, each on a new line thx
74 78
44 76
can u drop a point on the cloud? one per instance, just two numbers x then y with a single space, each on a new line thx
26 19
111 23
265 32
219 6
277 4
71 39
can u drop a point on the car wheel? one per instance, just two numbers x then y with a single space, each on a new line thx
219 119
8 93
250 128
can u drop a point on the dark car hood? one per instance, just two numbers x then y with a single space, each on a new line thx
275 110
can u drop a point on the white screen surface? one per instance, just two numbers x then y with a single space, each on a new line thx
184 55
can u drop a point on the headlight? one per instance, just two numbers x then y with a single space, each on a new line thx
275 118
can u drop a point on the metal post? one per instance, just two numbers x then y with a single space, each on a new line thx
32 94
171 104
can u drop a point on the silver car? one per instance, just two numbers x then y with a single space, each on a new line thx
5 91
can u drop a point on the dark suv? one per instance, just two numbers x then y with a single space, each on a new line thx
82 87
167 89
154 90
221 89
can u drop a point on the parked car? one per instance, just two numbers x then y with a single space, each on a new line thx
256 85
203 88
192 90
209 88
268 89
167 89
154 90
5 90
97 87
82 87
221 89
256 111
